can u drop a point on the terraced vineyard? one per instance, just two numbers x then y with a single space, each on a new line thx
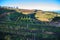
18 26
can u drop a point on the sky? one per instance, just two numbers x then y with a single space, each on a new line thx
46 5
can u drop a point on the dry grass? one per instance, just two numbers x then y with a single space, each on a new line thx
45 16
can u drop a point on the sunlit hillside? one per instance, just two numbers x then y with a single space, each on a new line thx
45 16
39 14
25 11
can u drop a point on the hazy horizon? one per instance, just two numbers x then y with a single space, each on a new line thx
46 5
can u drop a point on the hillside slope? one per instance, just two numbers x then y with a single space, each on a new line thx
37 24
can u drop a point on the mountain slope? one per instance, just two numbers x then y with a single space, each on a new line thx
31 25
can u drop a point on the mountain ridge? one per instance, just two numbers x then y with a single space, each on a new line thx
39 14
